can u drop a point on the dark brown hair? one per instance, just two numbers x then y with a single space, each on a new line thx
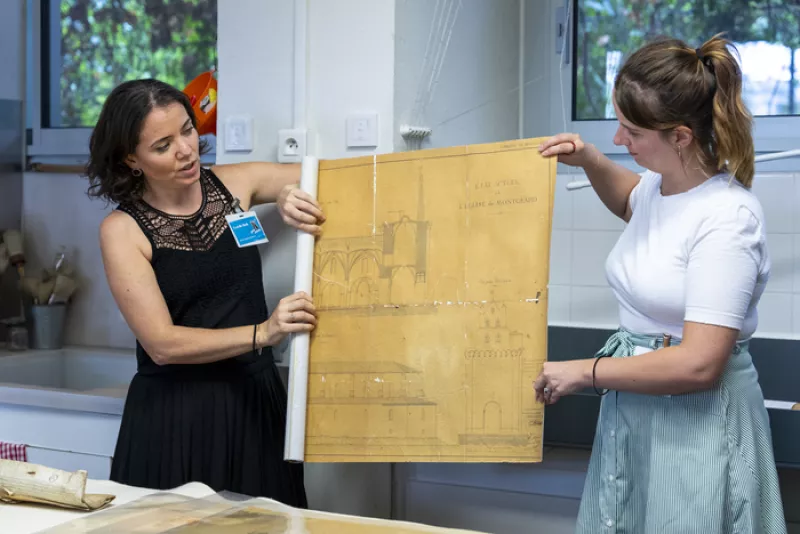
116 136
666 84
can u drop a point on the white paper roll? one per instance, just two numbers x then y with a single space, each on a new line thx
781 405
294 446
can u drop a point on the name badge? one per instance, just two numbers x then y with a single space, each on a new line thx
246 229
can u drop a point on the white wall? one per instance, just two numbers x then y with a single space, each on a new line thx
351 70
12 43
457 70
255 43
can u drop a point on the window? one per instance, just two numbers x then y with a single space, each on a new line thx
606 31
79 50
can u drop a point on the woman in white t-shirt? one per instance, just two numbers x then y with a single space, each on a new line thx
683 442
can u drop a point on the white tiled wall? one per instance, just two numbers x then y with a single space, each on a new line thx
56 213
584 232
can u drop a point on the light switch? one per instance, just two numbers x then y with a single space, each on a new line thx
362 130
239 134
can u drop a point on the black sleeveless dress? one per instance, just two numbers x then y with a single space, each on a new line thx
221 423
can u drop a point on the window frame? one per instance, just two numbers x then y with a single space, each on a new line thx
770 134
47 145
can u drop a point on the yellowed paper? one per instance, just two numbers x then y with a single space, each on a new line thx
261 518
162 513
22 482
430 280
152 514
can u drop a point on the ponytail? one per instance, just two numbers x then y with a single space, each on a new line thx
732 141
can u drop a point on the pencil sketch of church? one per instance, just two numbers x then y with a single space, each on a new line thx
497 411
389 267
357 401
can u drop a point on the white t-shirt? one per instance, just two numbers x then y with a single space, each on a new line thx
696 256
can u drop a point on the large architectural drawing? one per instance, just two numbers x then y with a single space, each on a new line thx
430 280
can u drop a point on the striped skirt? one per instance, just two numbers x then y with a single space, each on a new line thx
694 463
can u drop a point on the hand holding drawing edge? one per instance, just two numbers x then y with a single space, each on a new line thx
559 379
568 147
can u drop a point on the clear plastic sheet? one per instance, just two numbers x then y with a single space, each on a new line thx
169 513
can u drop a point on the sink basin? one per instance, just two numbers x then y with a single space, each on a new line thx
73 369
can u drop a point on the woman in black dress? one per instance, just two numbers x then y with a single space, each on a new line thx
207 403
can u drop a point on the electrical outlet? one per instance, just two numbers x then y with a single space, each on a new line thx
292 145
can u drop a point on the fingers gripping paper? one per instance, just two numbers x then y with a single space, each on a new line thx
430 281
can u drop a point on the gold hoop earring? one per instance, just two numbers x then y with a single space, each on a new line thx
136 172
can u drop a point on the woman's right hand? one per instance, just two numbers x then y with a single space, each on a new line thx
567 146
295 313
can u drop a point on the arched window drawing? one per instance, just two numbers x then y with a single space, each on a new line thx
361 292
405 244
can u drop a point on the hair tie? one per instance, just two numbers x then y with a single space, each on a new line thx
699 54
705 60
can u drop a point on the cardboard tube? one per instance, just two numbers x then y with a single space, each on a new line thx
295 443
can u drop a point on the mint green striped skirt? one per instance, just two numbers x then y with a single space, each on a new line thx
700 462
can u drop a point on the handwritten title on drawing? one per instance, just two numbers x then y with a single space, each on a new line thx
500 190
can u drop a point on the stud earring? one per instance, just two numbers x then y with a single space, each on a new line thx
136 172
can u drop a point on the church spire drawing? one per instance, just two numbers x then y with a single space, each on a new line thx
422 232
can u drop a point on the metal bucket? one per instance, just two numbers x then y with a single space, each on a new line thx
47 326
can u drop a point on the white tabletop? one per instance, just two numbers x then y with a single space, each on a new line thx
31 518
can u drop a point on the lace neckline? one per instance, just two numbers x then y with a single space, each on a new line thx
198 211
195 232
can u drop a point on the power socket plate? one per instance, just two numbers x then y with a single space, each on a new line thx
292 145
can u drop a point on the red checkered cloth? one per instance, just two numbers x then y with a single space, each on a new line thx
13 451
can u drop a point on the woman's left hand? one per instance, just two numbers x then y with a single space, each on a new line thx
558 379
299 210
